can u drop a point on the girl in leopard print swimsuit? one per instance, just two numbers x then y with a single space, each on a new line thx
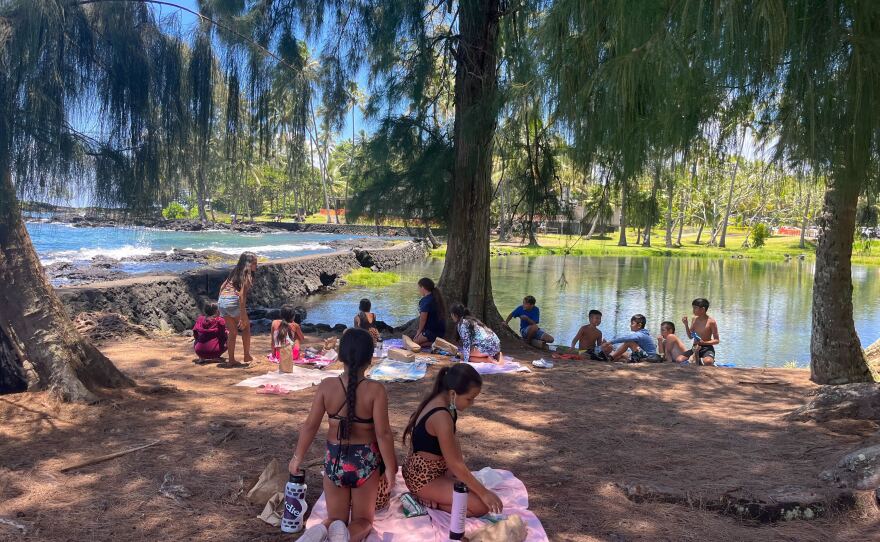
436 457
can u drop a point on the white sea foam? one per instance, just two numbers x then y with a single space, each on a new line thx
85 254
263 249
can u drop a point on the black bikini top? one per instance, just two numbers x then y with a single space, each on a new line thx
354 418
422 441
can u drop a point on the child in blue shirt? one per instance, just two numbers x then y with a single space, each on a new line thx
637 345
529 316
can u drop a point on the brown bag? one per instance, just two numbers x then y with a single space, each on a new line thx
443 344
285 360
271 481
398 354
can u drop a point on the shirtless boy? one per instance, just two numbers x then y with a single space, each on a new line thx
669 346
704 331
589 337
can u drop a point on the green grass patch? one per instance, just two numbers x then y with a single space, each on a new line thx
365 277
777 248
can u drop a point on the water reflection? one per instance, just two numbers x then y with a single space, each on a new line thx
762 308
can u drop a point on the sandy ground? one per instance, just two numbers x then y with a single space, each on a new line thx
570 433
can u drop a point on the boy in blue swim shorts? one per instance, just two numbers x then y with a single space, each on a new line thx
529 316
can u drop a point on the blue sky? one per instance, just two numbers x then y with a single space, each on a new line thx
189 21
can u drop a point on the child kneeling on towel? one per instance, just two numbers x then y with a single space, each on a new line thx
435 449
359 438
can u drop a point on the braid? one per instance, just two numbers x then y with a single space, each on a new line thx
351 401
356 352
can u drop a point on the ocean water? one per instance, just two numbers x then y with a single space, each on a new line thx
56 242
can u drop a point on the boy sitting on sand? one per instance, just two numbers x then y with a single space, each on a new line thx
704 331
589 337
529 315
638 345
669 346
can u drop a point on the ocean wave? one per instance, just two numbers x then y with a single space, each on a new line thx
86 254
263 249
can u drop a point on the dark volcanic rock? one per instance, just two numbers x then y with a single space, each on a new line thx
175 301
76 274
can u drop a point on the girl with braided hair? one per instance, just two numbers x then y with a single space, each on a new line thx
360 445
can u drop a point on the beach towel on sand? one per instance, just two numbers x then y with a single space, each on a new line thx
390 370
299 379
391 525
506 366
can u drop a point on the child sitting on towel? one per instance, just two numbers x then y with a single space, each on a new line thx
286 333
478 342
209 335
669 346
360 445
435 462
365 319
637 345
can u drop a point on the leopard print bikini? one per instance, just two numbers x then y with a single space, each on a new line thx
419 471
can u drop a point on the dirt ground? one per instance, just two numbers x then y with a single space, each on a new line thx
571 433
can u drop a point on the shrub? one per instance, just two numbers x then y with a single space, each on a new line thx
366 277
760 234
175 211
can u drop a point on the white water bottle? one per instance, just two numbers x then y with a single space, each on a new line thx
295 505
459 511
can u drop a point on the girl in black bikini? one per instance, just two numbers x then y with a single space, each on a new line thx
436 456
359 439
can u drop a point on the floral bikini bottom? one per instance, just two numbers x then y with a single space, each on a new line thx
350 465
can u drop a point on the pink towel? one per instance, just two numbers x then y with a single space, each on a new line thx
392 526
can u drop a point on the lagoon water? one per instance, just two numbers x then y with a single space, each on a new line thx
762 308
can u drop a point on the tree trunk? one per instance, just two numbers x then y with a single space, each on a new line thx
835 350
670 193
700 231
466 276
622 241
686 201
201 194
33 319
803 243
653 202
431 239
723 242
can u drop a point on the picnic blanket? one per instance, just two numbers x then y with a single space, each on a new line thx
299 379
391 525
389 370
506 366
394 343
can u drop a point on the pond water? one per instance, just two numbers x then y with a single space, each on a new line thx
762 308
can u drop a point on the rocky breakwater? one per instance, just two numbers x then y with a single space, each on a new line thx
174 301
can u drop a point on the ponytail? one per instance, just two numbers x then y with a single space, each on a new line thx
429 285
356 353
460 378
464 315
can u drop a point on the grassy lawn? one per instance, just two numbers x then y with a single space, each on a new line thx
776 248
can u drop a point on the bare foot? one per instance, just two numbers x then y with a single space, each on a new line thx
248 358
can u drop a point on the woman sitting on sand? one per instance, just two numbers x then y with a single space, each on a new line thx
432 315
233 305
359 438
436 456
478 342
366 320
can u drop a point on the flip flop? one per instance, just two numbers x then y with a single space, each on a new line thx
272 389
